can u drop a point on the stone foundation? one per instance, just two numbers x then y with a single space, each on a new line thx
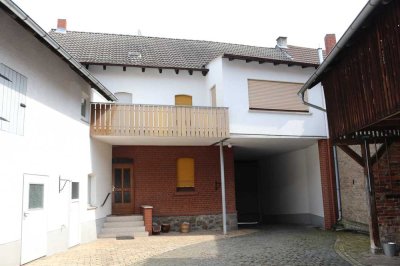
199 222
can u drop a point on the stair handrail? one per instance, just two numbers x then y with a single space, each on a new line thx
104 202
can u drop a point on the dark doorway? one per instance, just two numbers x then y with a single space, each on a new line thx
247 203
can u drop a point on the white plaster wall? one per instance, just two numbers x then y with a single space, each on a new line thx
215 78
243 121
290 183
56 141
151 87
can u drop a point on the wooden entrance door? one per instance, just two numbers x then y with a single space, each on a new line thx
122 192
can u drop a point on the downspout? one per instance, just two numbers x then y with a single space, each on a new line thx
221 156
338 193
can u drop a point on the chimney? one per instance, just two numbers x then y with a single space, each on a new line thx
281 42
330 42
61 25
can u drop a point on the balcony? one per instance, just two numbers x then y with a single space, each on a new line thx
140 120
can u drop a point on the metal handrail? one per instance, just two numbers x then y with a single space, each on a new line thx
104 202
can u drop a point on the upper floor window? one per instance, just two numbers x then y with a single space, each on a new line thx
185 174
124 97
13 87
182 99
85 106
275 96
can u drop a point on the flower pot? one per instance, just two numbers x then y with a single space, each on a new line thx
185 227
165 228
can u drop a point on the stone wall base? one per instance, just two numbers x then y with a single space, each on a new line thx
351 225
198 222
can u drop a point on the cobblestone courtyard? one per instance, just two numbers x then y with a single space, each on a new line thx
272 245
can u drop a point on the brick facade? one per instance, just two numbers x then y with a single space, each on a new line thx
327 182
154 174
387 193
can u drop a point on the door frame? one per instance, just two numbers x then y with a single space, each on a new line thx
130 207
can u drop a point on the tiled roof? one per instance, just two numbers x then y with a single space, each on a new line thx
117 49
303 54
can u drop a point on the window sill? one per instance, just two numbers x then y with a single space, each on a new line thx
186 193
85 120
91 208
254 110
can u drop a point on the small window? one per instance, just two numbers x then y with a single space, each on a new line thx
185 174
124 97
85 107
75 190
213 97
91 190
183 100
36 196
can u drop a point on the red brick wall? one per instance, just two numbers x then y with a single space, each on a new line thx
328 183
330 42
387 193
154 173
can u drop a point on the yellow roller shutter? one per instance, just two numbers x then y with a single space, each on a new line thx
183 100
185 172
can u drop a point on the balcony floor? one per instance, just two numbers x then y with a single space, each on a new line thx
157 141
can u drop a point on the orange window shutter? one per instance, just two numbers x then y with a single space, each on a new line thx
185 172
183 100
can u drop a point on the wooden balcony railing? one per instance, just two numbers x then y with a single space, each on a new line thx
158 121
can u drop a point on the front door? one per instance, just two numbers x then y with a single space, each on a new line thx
34 218
122 192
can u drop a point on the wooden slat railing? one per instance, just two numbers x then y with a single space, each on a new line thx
158 121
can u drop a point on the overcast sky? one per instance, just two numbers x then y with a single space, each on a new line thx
252 22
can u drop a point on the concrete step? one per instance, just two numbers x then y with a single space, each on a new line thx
123 224
126 218
114 235
127 230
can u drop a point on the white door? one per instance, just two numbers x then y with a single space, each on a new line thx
34 218
74 221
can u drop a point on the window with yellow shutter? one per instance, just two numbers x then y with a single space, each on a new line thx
182 99
185 174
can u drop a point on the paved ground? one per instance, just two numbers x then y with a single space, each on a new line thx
272 245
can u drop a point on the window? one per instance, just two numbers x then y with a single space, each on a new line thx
183 100
185 174
75 190
36 196
124 97
85 107
13 87
275 96
91 186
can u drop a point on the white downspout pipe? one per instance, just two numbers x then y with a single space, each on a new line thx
221 159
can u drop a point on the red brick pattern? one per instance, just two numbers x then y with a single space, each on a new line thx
154 173
61 24
387 193
147 212
327 182
330 42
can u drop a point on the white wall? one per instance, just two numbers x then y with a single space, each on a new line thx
151 87
243 121
56 141
291 183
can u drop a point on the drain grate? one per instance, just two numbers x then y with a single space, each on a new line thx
124 237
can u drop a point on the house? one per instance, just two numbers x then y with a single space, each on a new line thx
179 100
165 130
47 156
360 80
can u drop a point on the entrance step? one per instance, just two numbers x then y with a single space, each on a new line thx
120 226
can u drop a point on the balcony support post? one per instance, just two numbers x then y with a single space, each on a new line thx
221 156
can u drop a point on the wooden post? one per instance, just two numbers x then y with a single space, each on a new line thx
370 192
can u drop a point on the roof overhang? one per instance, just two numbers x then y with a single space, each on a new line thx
262 60
358 24
24 20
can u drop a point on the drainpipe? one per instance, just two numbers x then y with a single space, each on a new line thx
338 194
221 157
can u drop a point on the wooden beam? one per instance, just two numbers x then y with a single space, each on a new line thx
231 59
87 66
124 68
261 62
352 154
104 67
370 192
249 60
143 69
380 152
290 65
160 70
177 71
204 73
190 72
